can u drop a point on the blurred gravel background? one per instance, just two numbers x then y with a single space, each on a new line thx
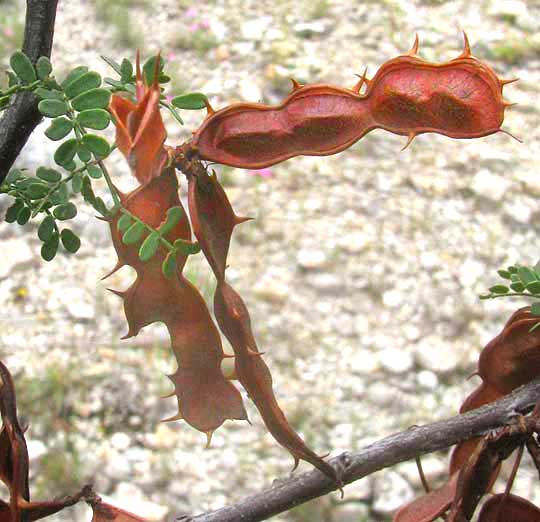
361 270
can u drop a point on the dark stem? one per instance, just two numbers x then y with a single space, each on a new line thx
22 115
387 452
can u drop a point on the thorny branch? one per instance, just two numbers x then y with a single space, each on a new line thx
382 454
22 116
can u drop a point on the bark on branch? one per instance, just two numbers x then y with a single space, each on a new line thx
382 454
22 116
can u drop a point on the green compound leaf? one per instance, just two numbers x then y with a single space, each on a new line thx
37 190
76 182
124 222
96 144
85 82
50 247
48 175
60 196
65 211
59 128
174 215
97 119
93 99
186 248
149 68
23 67
49 94
533 287
526 275
43 67
149 247
100 206
66 152
94 171
112 63
87 191
23 216
517 287
193 101
74 74
499 289
46 228
53 108
13 175
504 274
169 265
70 240
126 71
134 233
84 154
13 211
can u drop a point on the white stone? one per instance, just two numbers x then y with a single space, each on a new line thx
470 272
427 379
15 253
255 29
395 360
391 492
310 258
36 449
250 92
432 353
488 185
120 440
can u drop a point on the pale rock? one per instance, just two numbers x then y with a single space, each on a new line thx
381 394
250 92
427 379
395 361
120 441
271 290
36 449
311 259
327 283
254 29
433 354
129 497
391 492
16 254
491 186
315 28
363 362
470 272
518 211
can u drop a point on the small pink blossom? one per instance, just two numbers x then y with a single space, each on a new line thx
168 98
9 32
171 57
263 173
205 24
192 12
194 27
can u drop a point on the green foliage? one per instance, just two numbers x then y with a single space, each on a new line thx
77 107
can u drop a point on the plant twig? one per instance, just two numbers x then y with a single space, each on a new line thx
22 116
387 452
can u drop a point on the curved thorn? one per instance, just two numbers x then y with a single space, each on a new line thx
466 53
410 139
360 83
507 103
176 417
209 108
209 438
296 462
295 84
119 293
241 219
413 51
506 82
471 375
510 134
171 394
118 266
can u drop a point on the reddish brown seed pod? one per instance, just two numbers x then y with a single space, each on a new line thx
461 98
205 397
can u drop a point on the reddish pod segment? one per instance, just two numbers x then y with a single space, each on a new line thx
140 132
509 508
461 98
254 375
205 398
